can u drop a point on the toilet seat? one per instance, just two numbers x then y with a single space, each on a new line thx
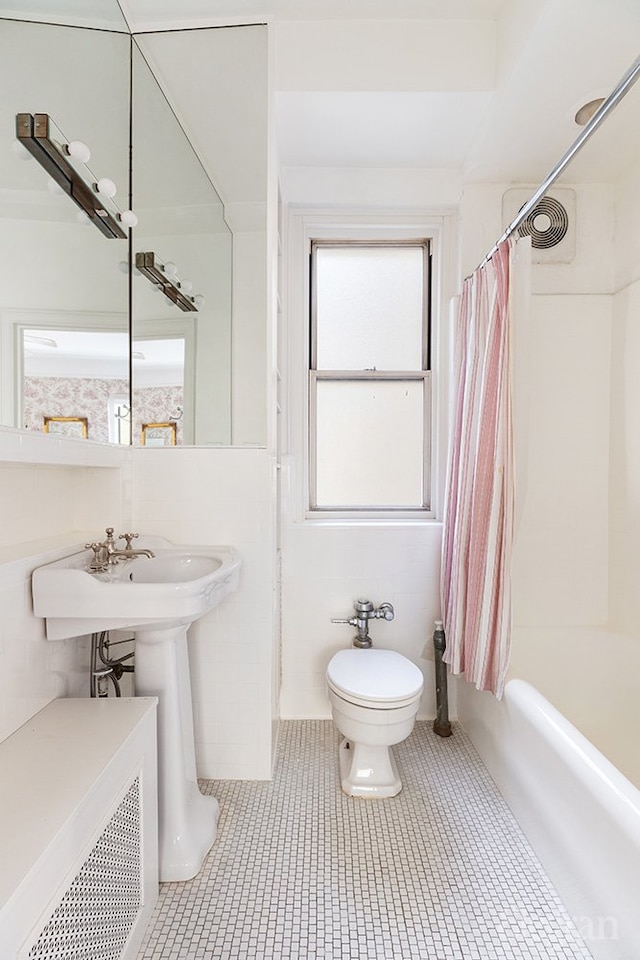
379 679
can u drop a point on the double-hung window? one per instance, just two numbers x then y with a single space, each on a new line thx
369 378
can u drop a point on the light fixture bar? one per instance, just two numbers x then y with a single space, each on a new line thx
147 264
32 130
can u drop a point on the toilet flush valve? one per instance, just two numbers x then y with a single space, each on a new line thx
365 611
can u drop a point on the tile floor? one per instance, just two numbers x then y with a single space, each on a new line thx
298 870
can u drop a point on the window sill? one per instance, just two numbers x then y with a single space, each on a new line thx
370 517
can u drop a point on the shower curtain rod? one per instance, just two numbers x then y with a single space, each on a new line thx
616 95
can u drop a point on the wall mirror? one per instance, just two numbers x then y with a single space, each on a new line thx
222 102
63 282
181 358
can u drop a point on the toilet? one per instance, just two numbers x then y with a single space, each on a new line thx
375 695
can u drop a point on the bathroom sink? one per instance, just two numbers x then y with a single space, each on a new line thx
176 586
171 568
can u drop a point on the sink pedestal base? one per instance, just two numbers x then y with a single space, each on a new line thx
187 820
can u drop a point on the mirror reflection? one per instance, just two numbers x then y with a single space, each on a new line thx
70 373
60 276
62 279
181 222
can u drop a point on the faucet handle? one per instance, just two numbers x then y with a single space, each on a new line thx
128 537
96 563
385 610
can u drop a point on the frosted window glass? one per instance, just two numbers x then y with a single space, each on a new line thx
369 443
369 308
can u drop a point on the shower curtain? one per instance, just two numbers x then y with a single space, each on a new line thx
479 508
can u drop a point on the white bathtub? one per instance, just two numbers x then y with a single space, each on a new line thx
580 814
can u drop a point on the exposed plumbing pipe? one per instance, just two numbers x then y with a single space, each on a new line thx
365 611
104 667
441 724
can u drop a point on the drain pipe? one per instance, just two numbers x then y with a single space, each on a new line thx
441 724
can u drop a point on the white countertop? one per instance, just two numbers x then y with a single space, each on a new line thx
49 766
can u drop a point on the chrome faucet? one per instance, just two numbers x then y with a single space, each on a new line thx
365 611
128 552
106 553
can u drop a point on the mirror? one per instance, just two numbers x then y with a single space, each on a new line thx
222 102
181 358
63 282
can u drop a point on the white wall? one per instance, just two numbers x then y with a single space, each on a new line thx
625 403
50 506
222 496
576 570
327 565
190 495
561 555
249 330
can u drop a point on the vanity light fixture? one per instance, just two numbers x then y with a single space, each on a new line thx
165 277
33 131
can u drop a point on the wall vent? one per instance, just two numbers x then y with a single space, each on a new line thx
97 913
551 224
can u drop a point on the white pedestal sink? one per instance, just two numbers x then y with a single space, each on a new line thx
157 598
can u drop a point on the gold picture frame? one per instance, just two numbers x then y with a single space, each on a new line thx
159 434
77 427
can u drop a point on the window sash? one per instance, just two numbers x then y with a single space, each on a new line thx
423 374
426 280
369 456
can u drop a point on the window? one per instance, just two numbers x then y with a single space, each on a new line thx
369 379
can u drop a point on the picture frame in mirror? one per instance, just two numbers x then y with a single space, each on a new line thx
77 427
159 434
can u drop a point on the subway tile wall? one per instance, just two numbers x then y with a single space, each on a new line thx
46 509
222 496
326 567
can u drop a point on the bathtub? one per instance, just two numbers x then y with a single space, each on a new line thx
578 811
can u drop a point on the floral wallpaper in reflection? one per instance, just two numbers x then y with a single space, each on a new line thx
157 405
76 397
71 397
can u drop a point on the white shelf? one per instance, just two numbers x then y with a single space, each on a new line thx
23 446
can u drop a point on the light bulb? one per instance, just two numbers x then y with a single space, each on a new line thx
129 218
79 151
186 286
106 187
198 300
170 269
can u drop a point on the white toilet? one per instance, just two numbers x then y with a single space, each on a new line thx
375 695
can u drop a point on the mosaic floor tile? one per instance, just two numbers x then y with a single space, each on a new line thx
298 870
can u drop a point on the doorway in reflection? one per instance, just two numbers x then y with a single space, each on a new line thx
71 377
159 391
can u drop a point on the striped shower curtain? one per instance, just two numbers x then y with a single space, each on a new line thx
479 509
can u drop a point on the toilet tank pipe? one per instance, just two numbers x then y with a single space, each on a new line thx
441 724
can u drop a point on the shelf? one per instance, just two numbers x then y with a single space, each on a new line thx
24 446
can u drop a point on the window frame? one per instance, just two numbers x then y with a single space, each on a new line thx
424 374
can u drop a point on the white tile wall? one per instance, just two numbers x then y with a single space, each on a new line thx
624 502
221 496
325 569
561 558
46 508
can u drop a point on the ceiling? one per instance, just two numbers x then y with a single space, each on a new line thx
487 88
